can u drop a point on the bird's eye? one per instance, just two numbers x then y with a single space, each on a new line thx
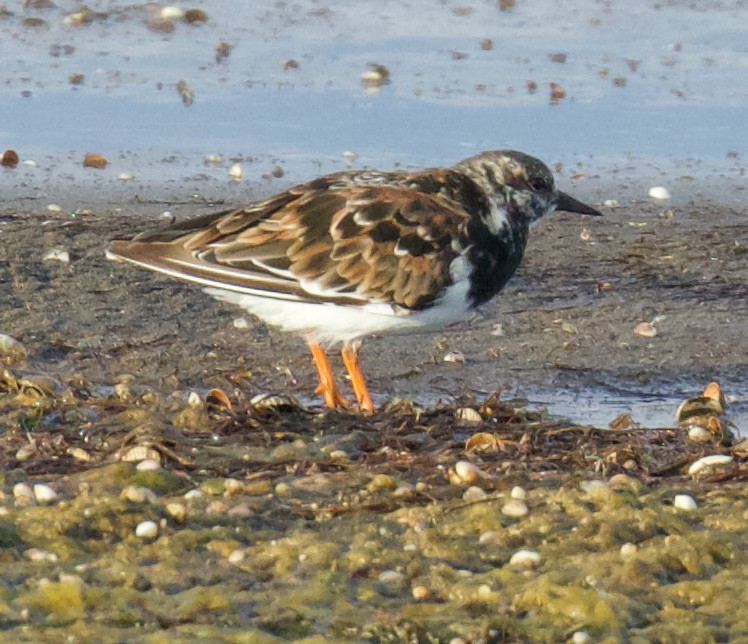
539 184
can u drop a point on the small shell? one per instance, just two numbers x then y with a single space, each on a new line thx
711 463
468 415
23 490
146 530
93 160
474 493
466 472
684 502
420 593
44 493
525 558
236 172
454 356
218 399
483 442
515 508
659 192
57 255
140 453
645 329
171 12
148 465
79 454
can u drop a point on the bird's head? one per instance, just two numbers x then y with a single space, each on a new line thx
513 178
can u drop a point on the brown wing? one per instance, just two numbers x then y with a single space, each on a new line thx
339 239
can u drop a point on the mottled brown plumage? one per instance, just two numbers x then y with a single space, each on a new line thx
360 252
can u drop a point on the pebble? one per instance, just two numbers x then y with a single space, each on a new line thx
659 192
466 472
684 502
581 637
610 203
628 549
138 494
125 176
57 255
420 593
474 493
23 490
146 530
148 465
391 582
172 13
194 495
454 356
11 348
404 490
236 172
515 508
237 556
176 511
525 558
44 493
518 493
489 536
241 323
53 207
39 555
708 462
30 163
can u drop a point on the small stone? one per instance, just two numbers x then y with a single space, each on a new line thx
525 558
282 489
125 176
404 490
80 454
23 490
176 511
684 502
44 493
628 549
146 530
381 482
237 556
489 536
138 494
515 508
236 172
454 356
194 495
53 207
241 323
581 637
233 486
93 160
474 493
658 192
518 493
610 203
148 465
391 582
38 555
171 12
350 157
420 593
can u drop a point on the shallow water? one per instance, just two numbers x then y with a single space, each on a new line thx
652 93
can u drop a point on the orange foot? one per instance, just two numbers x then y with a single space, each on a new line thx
327 387
350 358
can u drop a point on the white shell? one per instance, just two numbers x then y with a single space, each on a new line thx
705 462
525 558
658 192
518 493
172 13
684 502
146 530
236 172
44 493
515 508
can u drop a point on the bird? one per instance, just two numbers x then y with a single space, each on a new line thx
361 252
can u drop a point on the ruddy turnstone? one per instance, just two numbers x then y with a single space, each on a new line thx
361 252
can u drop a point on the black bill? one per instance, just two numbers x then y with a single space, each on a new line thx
569 204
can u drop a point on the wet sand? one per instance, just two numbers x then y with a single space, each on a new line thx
567 318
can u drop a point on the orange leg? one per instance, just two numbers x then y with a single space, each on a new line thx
327 387
350 359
